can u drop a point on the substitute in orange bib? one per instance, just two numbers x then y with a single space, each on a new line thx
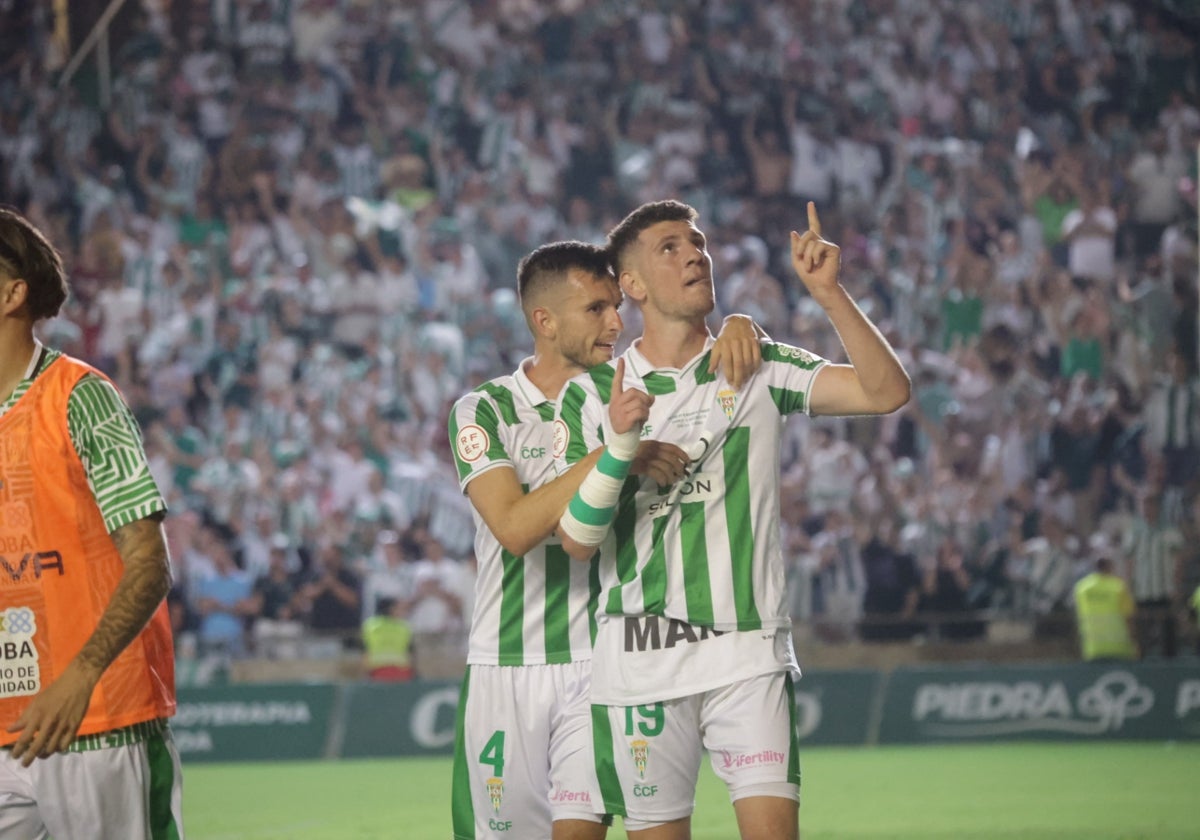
86 660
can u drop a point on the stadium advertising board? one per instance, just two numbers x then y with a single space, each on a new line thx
1133 701
253 722
834 707
399 719
356 720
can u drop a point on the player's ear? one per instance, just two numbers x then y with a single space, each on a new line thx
543 322
13 294
632 285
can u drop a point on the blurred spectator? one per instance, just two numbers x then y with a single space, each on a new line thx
277 627
1090 231
440 587
329 596
1173 428
893 589
1104 611
838 582
387 639
224 604
392 575
228 481
1154 551
1154 175
832 467
1048 571
944 595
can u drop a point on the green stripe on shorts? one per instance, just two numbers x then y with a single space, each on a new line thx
162 787
793 731
606 764
462 810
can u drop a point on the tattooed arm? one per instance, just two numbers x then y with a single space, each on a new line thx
49 723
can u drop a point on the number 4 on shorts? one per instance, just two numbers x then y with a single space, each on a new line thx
493 753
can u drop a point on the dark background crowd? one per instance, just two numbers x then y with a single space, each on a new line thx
292 228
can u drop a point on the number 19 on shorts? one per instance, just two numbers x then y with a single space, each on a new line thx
646 722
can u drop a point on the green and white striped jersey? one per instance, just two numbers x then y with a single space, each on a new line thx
109 443
534 609
705 551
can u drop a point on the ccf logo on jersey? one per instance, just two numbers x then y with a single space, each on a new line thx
495 789
641 751
728 401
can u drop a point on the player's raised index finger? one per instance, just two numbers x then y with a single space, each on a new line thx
618 385
814 223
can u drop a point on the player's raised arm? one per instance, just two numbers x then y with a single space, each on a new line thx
591 510
874 382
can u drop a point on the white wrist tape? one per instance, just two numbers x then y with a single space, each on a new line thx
591 511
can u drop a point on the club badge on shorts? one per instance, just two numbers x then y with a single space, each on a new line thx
495 789
641 752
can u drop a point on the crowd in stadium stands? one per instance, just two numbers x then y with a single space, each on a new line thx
293 236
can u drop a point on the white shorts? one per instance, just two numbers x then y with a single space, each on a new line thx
132 791
648 756
523 755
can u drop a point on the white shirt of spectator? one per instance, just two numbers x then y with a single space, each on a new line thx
1092 255
1156 182
814 166
859 168
120 318
432 614
1152 551
832 473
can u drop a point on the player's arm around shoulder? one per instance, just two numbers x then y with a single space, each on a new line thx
518 520
737 350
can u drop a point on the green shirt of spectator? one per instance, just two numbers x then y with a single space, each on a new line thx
1082 354
1050 212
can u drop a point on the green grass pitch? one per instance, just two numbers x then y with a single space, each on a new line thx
999 792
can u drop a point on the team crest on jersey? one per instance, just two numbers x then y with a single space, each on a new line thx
561 436
640 749
495 789
472 442
728 401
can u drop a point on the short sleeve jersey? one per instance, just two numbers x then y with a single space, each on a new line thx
533 609
109 443
705 551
